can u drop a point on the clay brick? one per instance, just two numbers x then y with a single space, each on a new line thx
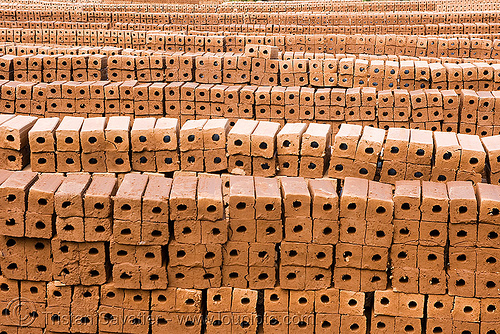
289 138
380 205
346 141
191 135
238 138
353 201
97 200
68 134
128 198
42 135
210 206
141 134
117 134
463 203
70 228
68 161
14 190
489 201
473 155
215 134
396 144
166 134
14 132
421 147
292 277
461 282
41 194
269 231
351 322
69 196
267 198
370 144
316 140
491 147
241 197
464 234
325 200
155 204
432 234
235 253
434 202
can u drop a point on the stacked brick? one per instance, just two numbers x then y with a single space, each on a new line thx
14 146
420 237
395 312
195 254
304 265
232 309
255 229
364 144
491 148
322 311
363 249
140 230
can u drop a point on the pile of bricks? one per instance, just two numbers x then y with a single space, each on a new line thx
258 148
253 233
267 167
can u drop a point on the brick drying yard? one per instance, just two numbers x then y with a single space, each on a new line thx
250 167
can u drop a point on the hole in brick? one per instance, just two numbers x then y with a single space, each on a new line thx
69 228
402 255
12 266
339 167
351 230
126 207
343 146
420 152
438 304
460 282
434 233
241 205
490 284
391 172
93 273
298 229
233 275
180 276
286 143
468 309
409 328
70 161
431 257
126 231
99 206
233 252
434 281
380 210
376 257
461 257
121 253
10 138
491 308
352 302
436 208
418 174
238 142
291 276
347 254
354 327
473 161
182 207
